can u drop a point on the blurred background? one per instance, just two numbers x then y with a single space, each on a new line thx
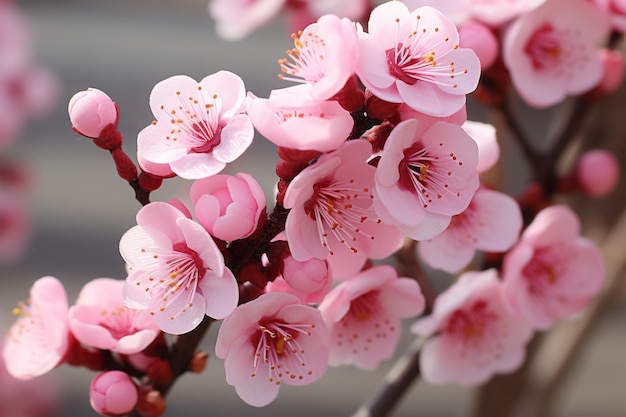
81 208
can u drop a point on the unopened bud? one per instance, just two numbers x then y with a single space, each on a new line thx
598 172
113 393
91 112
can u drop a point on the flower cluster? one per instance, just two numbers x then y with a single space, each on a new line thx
376 158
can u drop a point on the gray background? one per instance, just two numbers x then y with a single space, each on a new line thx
81 208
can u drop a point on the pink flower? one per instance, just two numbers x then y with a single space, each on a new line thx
236 19
549 56
472 334
598 172
92 111
39 339
269 341
199 127
99 319
332 216
113 393
176 271
325 55
414 58
426 174
614 68
492 223
364 314
552 272
292 118
229 207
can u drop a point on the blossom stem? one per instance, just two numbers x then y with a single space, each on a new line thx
395 384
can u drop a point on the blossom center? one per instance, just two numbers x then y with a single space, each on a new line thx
309 62
278 349
471 324
544 47
423 171
340 209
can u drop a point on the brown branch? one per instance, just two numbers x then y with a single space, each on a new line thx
396 383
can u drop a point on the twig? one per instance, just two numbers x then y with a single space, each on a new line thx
396 383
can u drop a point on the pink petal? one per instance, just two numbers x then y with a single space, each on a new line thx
197 165
236 137
221 294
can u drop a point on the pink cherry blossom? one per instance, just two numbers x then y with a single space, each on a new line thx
492 223
426 174
200 127
325 54
236 19
471 333
176 271
364 314
552 272
292 118
91 111
332 216
614 69
551 54
270 341
598 172
39 339
414 57
99 319
229 207
113 393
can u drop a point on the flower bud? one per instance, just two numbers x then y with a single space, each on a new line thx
228 206
113 393
597 172
308 276
91 112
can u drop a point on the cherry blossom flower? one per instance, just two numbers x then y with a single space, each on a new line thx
426 174
482 40
99 319
492 223
176 271
332 216
551 54
414 57
113 393
39 339
229 207
484 134
472 335
552 272
236 19
199 127
364 314
270 341
325 54
292 118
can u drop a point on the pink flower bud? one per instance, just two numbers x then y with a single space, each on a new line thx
228 206
597 172
480 38
113 393
91 111
308 276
